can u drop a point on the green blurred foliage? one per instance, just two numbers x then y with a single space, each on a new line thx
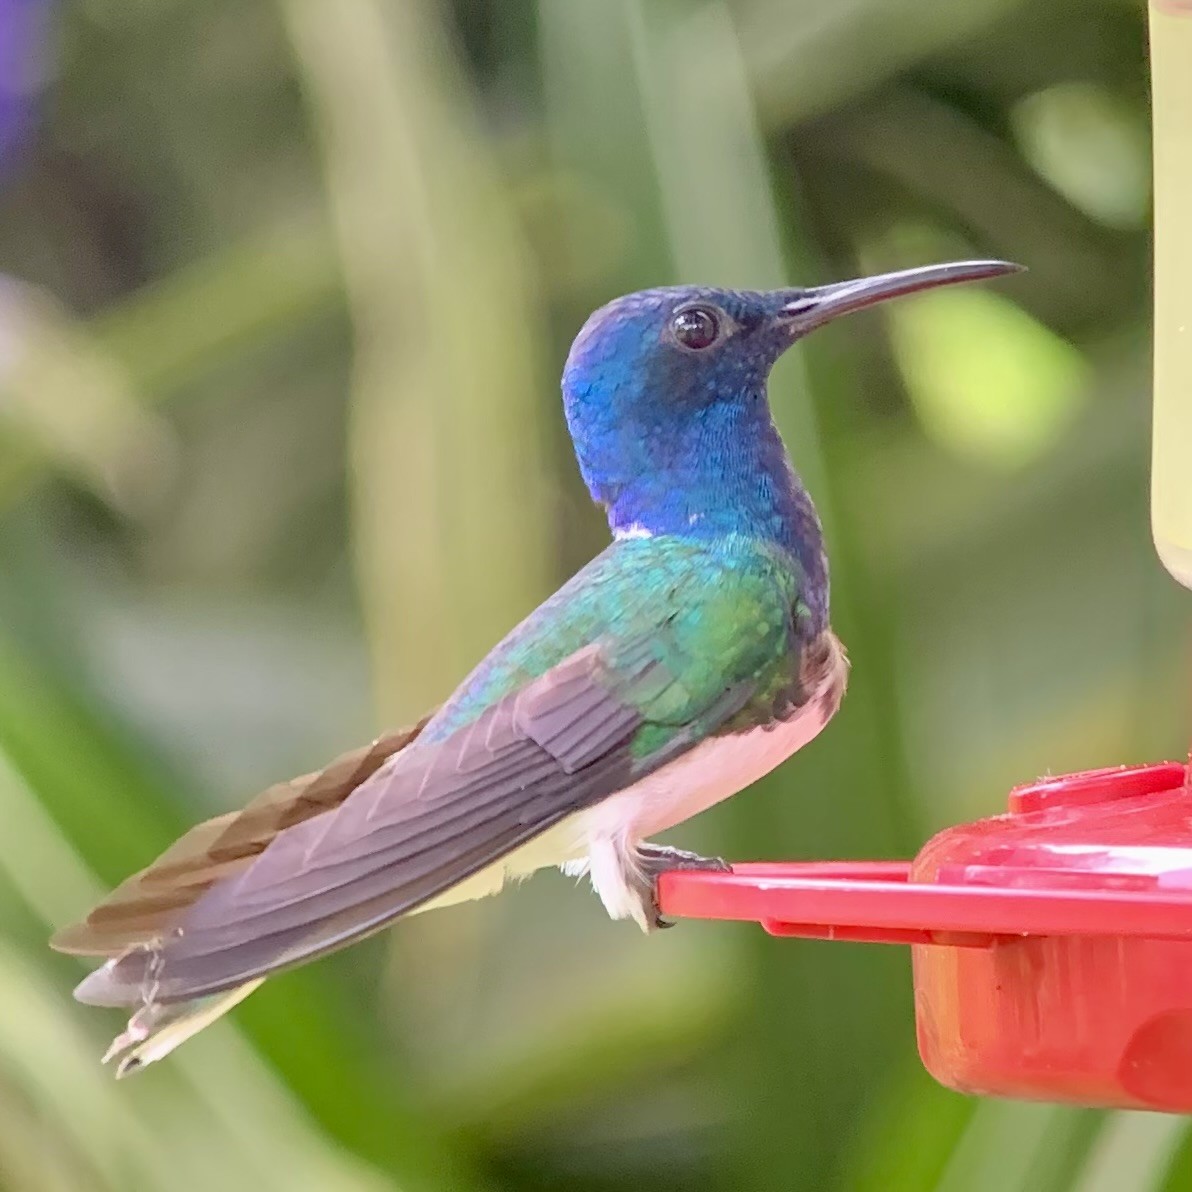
287 290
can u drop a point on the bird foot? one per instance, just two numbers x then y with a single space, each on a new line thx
655 859
127 1046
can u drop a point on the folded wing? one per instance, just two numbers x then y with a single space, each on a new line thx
428 817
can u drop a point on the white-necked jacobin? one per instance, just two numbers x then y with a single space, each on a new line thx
684 662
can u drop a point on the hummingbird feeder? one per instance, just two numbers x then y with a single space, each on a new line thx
1052 944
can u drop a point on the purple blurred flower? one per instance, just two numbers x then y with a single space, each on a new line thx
24 29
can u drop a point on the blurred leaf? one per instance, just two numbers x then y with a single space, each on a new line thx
923 506
67 401
1016 1145
811 58
450 536
88 779
907 1139
1133 1150
593 113
77 389
1179 1172
1092 147
587 1056
987 380
267 285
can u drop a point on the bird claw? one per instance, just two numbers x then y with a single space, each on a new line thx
127 1039
658 858
127 1046
653 860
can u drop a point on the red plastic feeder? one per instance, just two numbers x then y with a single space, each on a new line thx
1052 946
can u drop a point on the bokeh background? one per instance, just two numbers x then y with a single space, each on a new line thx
285 289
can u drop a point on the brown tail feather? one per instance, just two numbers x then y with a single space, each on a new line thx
144 906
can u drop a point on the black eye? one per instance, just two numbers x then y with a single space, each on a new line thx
696 327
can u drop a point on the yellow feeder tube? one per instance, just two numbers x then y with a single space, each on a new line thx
1171 443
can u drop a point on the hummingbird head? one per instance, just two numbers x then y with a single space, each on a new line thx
665 396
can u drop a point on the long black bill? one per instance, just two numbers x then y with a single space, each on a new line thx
812 308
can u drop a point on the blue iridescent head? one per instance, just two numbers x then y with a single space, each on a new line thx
665 396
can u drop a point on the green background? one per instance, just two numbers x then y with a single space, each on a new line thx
287 290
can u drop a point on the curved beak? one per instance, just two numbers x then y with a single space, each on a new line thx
807 309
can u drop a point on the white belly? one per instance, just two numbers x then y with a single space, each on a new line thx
702 777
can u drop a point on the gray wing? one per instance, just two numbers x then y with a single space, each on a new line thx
431 816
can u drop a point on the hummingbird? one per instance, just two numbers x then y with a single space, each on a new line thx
683 663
